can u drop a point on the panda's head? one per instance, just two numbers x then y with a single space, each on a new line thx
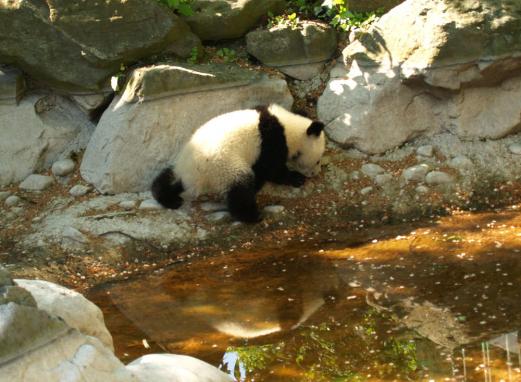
309 149
305 139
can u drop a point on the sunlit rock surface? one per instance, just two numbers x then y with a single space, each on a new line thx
426 67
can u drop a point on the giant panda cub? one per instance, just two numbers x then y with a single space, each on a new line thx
234 154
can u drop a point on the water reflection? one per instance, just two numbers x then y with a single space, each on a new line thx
230 360
431 303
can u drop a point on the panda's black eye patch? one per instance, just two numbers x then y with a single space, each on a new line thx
318 161
296 155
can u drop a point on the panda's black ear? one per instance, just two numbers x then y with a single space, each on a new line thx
315 128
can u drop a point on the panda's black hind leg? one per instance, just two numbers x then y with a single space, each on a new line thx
242 202
166 191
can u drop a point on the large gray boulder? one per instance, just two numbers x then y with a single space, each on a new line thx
71 306
289 49
428 66
228 19
37 132
445 44
144 128
70 357
75 44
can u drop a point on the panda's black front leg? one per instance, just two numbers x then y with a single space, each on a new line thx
283 175
242 202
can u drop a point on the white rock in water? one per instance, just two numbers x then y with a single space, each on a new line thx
438 177
213 207
150 204
421 189
371 170
274 209
515 148
71 306
175 368
79 190
366 190
382 179
461 162
426 151
218 217
127 204
63 167
36 182
415 173
73 234
12 200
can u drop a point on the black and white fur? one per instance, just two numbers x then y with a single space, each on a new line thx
234 154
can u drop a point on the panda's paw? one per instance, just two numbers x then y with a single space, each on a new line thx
296 179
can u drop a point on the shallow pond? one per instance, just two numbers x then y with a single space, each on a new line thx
438 300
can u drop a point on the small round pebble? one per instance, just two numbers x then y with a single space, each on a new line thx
515 148
63 167
366 190
382 179
438 177
416 173
150 204
36 182
12 200
127 204
461 162
274 209
426 151
371 169
421 189
79 190
355 175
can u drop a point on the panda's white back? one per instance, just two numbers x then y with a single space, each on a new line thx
219 152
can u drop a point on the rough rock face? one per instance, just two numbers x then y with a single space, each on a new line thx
284 47
71 357
79 44
173 102
71 306
12 86
227 19
425 67
446 44
37 132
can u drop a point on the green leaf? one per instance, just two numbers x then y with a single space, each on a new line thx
185 10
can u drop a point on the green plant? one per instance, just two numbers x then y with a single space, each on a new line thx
334 12
227 54
194 56
290 20
183 7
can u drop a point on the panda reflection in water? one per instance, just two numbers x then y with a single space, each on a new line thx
234 154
